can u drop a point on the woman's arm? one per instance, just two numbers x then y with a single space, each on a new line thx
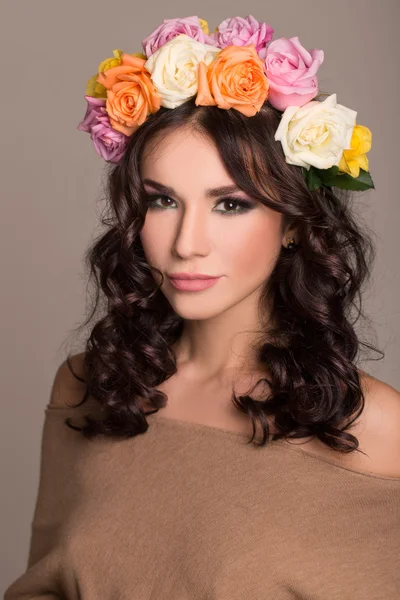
57 491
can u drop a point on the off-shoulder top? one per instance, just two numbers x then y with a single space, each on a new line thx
187 511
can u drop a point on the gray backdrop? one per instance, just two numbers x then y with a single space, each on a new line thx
51 183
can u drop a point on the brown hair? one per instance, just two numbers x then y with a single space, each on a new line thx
310 346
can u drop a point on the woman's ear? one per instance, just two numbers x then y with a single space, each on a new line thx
290 231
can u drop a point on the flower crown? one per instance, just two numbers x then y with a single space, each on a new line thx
237 66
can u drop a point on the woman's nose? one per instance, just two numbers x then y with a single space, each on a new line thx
192 233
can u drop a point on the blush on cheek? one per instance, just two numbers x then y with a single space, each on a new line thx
157 243
253 250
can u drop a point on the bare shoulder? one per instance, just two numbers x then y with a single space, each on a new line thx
378 428
68 389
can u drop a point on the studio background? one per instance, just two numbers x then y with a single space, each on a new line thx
52 186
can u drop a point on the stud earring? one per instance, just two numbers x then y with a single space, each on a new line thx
291 243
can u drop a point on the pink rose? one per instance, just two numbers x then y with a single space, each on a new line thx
240 31
170 28
291 72
108 142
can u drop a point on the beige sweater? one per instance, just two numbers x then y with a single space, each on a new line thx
190 512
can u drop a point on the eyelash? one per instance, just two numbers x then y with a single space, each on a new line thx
244 205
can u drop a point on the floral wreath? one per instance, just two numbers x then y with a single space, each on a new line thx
237 66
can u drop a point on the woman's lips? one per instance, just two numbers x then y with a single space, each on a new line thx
193 285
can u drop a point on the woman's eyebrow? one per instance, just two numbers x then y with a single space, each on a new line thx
210 193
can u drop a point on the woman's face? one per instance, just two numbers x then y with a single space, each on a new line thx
194 226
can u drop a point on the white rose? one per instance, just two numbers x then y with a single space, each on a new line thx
173 68
316 133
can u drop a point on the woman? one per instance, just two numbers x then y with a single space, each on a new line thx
229 278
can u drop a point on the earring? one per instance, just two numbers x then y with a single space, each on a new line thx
291 243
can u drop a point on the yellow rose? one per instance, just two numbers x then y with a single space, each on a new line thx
109 63
95 89
355 158
204 26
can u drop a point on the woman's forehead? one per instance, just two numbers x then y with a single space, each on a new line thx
186 158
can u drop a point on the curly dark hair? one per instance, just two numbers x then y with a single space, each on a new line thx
310 345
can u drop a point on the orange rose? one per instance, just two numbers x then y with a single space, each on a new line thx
131 95
234 79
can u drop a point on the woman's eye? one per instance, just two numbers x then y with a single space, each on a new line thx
151 201
233 206
242 206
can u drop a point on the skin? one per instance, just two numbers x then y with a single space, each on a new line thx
215 350
196 233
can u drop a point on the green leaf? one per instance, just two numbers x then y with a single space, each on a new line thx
313 180
328 176
360 183
332 178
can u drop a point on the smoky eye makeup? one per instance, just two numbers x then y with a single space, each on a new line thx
231 205
240 205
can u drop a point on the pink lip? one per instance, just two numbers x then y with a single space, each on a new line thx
193 285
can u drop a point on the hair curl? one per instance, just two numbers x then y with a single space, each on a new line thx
310 345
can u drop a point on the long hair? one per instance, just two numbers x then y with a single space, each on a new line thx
309 346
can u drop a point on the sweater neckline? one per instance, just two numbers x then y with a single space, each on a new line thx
213 429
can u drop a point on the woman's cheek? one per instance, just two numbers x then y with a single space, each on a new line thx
252 250
152 245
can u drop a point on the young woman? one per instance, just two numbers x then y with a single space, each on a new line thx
228 287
